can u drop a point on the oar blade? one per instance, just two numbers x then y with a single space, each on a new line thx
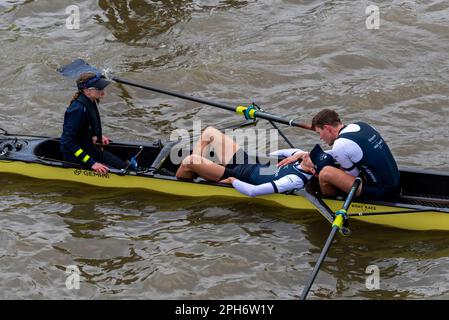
77 67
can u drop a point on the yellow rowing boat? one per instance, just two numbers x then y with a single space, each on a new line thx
424 204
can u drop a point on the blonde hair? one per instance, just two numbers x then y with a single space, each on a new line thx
81 79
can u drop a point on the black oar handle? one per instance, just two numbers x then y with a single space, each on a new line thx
257 114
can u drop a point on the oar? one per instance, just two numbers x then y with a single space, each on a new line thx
340 216
78 66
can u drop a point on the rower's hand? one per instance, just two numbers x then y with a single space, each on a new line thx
106 140
292 159
229 180
100 168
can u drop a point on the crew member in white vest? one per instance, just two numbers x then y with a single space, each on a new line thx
359 150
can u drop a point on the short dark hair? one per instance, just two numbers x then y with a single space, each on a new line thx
324 117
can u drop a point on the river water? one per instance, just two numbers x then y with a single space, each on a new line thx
292 58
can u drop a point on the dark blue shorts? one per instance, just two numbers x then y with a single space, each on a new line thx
239 167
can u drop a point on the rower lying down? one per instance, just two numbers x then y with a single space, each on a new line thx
253 179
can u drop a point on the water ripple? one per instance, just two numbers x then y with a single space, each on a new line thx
291 57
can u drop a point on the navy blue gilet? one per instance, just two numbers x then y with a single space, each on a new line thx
273 173
377 165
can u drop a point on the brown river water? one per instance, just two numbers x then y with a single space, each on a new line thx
293 58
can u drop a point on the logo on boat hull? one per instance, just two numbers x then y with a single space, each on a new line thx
89 173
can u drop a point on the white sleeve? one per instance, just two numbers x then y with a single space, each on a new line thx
347 153
288 183
284 184
330 152
285 152
252 190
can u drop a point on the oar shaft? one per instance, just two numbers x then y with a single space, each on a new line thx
78 66
173 93
336 225
352 192
320 261
282 134
257 114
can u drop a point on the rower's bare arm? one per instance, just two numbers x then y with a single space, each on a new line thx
106 140
293 158
229 180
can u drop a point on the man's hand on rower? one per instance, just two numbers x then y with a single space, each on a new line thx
293 158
